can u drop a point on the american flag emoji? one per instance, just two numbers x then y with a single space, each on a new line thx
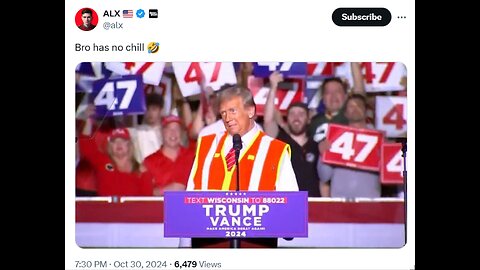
128 13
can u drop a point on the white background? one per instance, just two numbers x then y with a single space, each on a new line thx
244 30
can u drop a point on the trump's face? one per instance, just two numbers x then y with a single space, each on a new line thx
236 117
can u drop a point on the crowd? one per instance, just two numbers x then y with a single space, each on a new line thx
146 155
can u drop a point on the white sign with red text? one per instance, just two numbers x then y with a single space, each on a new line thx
327 69
391 115
151 71
189 75
391 169
384 76
377 76
353 147
284 98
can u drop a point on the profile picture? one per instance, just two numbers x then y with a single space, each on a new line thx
86 19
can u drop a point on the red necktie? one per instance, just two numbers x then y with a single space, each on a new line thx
230 158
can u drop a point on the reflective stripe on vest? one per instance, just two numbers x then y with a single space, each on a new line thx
203 147
259 164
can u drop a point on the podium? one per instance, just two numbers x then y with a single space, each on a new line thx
214 218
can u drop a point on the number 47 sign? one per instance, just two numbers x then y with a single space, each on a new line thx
190 75
353 147
392 164
119 96
391 115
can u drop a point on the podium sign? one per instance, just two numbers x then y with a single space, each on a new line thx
221 214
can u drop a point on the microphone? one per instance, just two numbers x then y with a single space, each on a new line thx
237 145
237 142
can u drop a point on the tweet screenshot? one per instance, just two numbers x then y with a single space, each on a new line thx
239 134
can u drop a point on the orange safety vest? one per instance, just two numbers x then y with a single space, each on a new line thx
263 147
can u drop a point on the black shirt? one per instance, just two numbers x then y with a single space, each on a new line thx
304 162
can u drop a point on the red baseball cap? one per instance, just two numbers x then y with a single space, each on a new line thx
119 133
171 119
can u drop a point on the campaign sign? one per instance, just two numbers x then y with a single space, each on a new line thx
190 75
284 98
391 115
384 76
151 71
326 69
85 68
225 214
353 147
288 69
119 96
391 170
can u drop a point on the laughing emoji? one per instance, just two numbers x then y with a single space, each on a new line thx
153 47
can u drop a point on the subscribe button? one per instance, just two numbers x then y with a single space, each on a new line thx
361 16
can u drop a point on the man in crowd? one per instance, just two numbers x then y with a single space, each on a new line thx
337 181
147 137
170 165
304 149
